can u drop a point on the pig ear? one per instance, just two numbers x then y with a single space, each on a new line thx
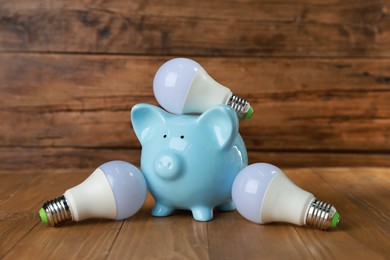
146 119
222 122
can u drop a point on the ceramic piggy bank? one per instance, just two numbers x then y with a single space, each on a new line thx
189 162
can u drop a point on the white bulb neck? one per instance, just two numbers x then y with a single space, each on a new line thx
92 198
206 89
285 202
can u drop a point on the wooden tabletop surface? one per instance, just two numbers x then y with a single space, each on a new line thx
361 195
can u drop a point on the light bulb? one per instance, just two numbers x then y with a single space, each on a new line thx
182 86
115 190
262 193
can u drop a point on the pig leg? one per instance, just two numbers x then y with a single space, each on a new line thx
160 210
227 206
202 213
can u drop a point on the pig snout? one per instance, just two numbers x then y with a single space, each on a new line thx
168 165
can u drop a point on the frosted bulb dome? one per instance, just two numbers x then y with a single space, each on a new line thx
172 83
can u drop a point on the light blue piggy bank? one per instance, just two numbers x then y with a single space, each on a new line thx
189 162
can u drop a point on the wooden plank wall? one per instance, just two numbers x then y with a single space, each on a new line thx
316 72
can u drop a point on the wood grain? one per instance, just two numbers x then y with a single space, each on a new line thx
233 237
25 160
333 186
238 28
357 193
322 106
15 218
174 237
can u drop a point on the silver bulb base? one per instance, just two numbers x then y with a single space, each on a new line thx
322 215
241 106
57 211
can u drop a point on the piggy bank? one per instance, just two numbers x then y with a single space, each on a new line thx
189 162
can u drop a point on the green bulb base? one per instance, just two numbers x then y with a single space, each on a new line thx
335 220
43 216
249 114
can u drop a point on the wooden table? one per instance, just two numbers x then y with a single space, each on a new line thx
361 195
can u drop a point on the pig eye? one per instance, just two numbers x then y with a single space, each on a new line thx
165 136
182 136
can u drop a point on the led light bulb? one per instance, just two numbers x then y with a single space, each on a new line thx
262 193
115 190
182 86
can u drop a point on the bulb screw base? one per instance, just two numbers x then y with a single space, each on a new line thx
241 106
322 215
55 212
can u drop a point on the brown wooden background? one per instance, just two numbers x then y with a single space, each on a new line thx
316 72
